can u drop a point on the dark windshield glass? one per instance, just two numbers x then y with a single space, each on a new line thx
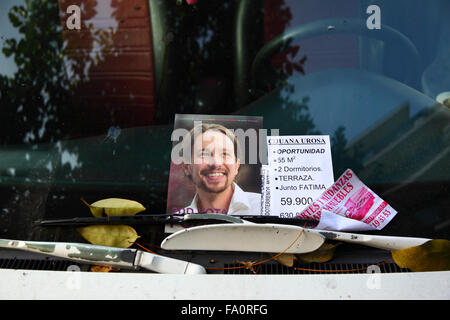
87 102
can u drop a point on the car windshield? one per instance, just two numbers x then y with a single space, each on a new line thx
89 91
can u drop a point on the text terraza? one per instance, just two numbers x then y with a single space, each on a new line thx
300 177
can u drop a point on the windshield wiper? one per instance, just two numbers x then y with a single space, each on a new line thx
171 218
106 256
82 221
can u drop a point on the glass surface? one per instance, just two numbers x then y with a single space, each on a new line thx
88 112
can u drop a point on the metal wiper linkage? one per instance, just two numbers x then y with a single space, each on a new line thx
107 256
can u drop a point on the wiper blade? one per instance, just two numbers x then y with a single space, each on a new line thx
81 221
138 219
171 218
107 256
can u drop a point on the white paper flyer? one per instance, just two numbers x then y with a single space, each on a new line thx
299 169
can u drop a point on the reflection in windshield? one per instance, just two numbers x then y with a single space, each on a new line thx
89 112
34 96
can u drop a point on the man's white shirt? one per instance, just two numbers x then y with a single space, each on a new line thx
242 203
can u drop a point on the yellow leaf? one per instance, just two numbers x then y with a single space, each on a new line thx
96 212
120 236
115 207
323 254
286 259
433 255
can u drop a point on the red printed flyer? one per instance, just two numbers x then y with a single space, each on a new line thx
352 204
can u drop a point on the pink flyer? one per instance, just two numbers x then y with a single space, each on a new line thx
349 198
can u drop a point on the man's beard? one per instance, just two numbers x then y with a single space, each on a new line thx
204 187
219 189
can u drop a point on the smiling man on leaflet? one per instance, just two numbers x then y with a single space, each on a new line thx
213 169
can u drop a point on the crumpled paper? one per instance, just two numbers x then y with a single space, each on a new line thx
349 205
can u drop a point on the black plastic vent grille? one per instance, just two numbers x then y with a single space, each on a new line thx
266 268
35 264
314 268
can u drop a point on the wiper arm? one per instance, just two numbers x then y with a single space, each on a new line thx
83 221
139 219
171 218
107 256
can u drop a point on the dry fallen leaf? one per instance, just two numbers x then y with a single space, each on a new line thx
286 259
115 207
323 254
433 255
103 268
120 236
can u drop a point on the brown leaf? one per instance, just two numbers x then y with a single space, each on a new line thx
433 255
323 254
103 268
286 259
